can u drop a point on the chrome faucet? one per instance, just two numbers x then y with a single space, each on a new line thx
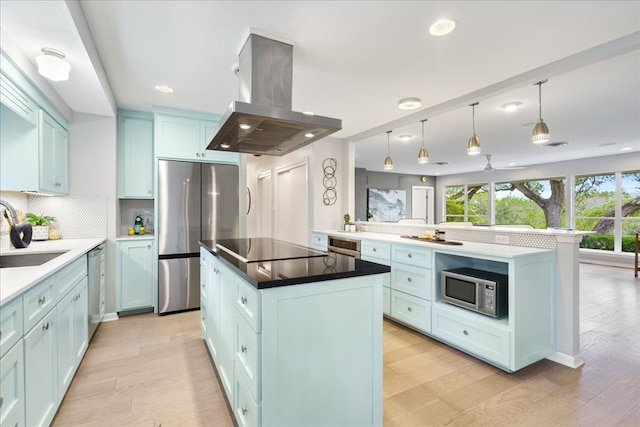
12 212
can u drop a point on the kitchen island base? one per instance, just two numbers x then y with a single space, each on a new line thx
299 355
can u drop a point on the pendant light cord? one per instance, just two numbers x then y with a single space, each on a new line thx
388 146
422 121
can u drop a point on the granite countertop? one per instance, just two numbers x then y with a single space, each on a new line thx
17 280
287 272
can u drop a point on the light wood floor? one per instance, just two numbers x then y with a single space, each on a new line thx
145 370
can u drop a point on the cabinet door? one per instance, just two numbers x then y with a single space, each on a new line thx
12 387
226 350
66 352
135 158
81 320
12 97
177 137
135 274
53 156
41 372
207 130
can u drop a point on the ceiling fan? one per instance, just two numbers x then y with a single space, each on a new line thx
490 168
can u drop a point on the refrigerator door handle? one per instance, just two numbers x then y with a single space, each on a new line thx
249 204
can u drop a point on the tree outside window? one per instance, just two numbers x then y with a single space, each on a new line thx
539 203
476 208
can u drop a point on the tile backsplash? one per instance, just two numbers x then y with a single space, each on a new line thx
77 217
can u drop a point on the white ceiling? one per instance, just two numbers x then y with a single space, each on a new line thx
356 60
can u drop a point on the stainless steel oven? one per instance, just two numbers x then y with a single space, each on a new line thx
344 245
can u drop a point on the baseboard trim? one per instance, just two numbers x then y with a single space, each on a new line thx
110 317
566 360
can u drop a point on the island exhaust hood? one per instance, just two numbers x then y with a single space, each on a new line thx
262 122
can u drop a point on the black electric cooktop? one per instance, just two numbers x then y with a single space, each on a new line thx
260 249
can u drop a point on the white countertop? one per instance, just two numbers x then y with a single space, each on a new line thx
16 280
470 248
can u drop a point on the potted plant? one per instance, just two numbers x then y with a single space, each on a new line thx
40 225
347 220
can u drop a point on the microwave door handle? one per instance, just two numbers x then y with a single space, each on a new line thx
479 304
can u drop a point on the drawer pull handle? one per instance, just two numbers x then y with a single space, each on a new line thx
409 308
41 300
243 300
375 250
244 411
408 279
243 349
409 255
465 332
1 402
45 326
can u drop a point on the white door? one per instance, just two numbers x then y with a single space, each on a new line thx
265 205
422 203
292 210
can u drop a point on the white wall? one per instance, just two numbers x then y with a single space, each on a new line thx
92 171
321 216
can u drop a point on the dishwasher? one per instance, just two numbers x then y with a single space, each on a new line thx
95 273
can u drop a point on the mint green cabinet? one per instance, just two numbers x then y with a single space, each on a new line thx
135 157
136 276
54 155
184 137
12 386
17 101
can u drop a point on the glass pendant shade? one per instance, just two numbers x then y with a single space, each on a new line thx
423 155
540 131
51 64
473 146
388 162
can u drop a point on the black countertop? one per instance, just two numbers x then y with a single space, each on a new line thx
277 269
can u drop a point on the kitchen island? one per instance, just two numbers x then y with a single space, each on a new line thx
295 334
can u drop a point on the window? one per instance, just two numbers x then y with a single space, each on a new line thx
539 203
608 205
468 202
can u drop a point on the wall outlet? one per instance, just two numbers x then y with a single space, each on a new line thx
502 239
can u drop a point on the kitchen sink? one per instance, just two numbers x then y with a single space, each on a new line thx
27 260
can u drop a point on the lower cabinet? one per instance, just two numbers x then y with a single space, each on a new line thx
73 312
12 387
41 371
411 310
136 278
281 354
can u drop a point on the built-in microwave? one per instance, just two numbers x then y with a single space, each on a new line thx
481 291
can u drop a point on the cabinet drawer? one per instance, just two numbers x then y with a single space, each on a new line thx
247 355
38 301
246 410
10 325
473 333
412 255
375 249
248 304
411 280
386 301
12 387
413 311
69 276
319 241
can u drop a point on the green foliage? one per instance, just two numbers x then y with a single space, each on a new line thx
605 242
346 218
516 210
37 220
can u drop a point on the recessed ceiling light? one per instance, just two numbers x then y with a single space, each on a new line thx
442 27
626 149
409 103
512 164
244 126
164 89
225 145
437 173
405 137
511 106
309 134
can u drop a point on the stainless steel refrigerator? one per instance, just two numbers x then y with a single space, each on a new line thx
196 201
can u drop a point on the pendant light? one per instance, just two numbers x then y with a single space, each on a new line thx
540 130
473 146
388 163
423 155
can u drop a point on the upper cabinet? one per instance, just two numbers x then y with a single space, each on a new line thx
135 156
185 135
34 144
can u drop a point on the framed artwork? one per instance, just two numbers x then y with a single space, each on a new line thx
386 205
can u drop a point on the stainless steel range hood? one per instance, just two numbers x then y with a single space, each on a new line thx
262 122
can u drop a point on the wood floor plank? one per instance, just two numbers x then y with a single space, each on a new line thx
144 370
